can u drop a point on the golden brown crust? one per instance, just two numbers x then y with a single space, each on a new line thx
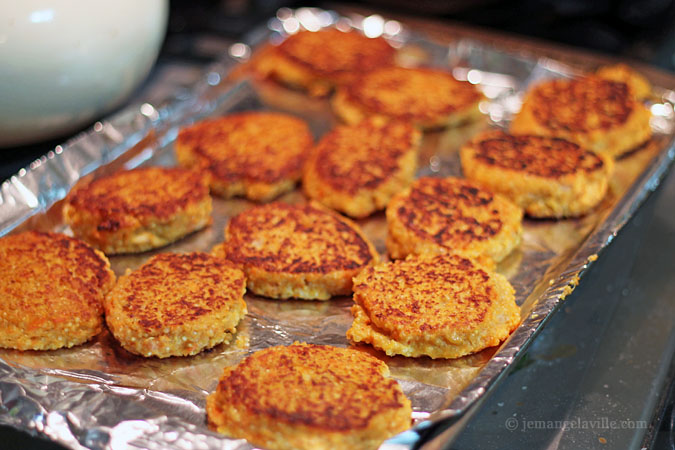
443 306
256 154
439 215
309 396
332 53
176 305
535 155
140 194
599 114
357 169
317 61
354 157
546 176
638 84
329 242
582 100
52 289
140 209
428 98
296 250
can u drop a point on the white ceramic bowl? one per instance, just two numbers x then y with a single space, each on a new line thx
65 62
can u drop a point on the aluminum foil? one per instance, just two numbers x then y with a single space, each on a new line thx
97 395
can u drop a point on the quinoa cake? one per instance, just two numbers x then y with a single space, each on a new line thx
599 114
548 177
52 288
452 215
356 169
640 86
311 397
138 210
259 155
176 305
429 98
296 251
317 61
442 306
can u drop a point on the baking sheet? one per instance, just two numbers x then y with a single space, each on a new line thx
99 395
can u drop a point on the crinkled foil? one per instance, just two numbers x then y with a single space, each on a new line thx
97 395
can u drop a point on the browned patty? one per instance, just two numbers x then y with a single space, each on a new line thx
176 304
336 54
599 114
439 215
356 169
568 104
425 97
329 243
52 288
536 155
144 194
364 156
546 176
300 251
140 209
307 396
256 154
439 211
397 311
443 306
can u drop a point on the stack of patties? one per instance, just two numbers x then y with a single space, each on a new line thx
546 176
309 397
296 251
319 61
356 169
428 98
442 306
258 155
599 113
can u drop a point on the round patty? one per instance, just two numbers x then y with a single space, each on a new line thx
445 306
258 155
547 177
428 98
440 215
300 251
309 397
318 61
176 305
138 210
52 288
356 169
599 114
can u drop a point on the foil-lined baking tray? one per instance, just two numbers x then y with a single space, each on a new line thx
97 395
